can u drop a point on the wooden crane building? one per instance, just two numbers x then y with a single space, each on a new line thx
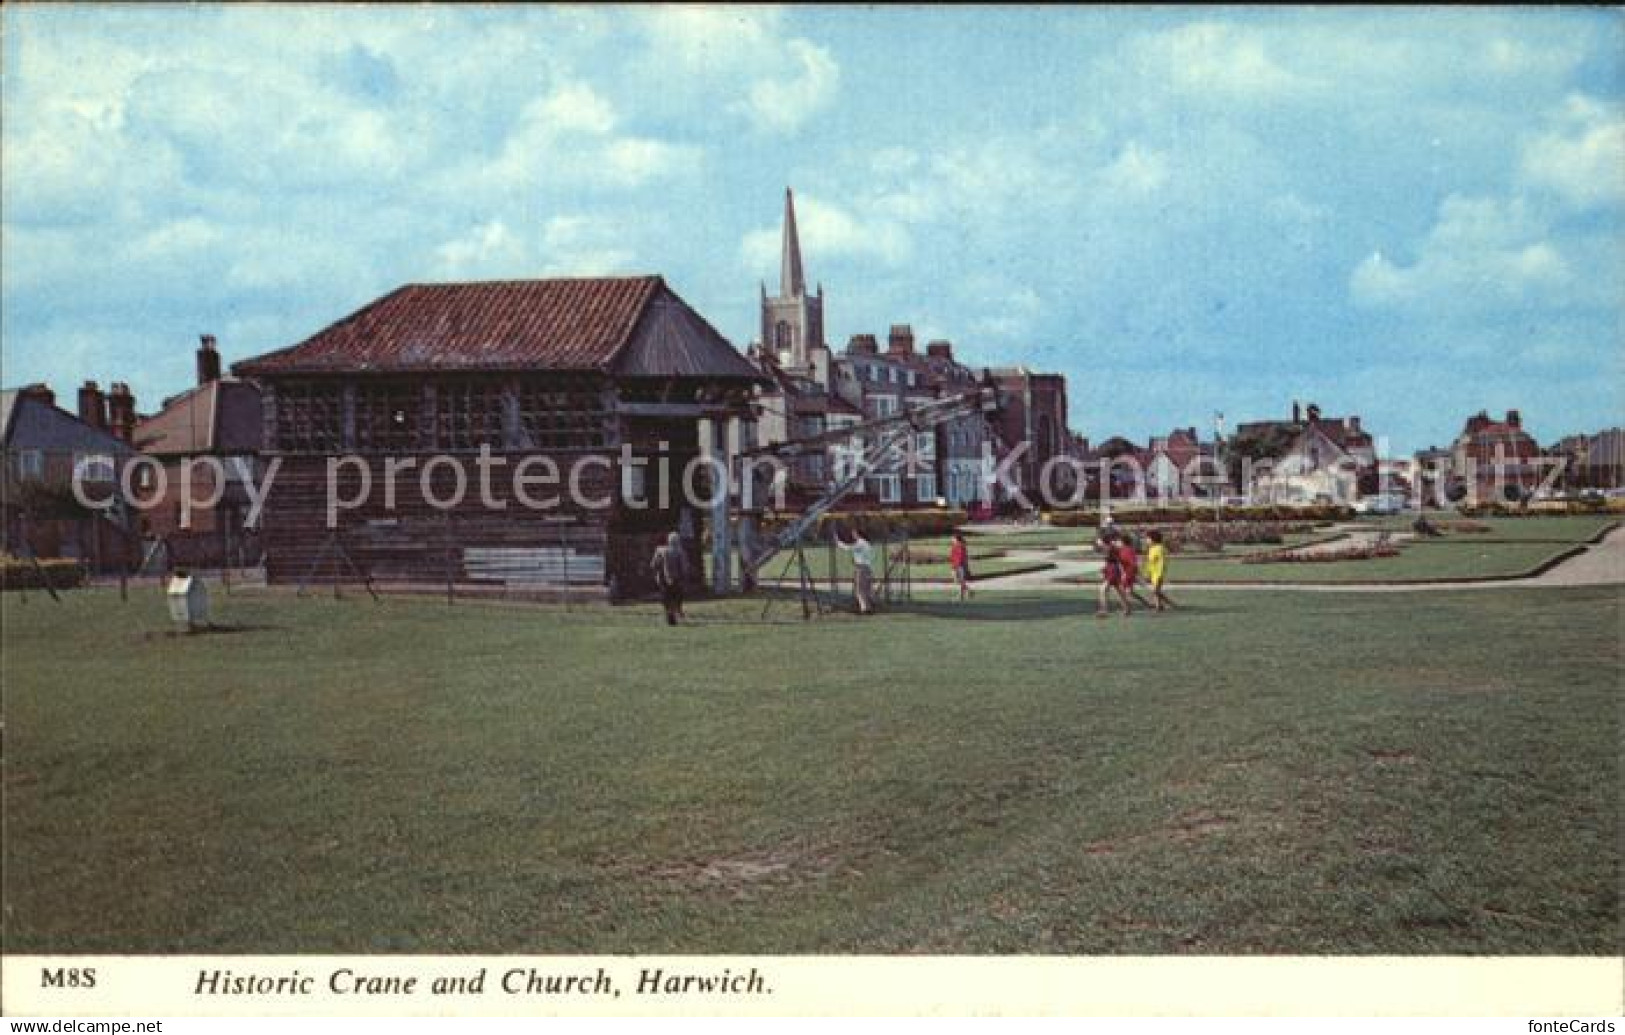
574 370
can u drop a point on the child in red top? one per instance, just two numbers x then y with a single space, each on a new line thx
959 561
1128 565
1114 577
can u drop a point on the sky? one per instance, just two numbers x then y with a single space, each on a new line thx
1409 214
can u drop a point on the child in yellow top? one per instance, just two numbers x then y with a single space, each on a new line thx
1156 569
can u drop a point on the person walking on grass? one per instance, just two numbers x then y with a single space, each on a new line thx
863 572
959 561
1128 565
669 566
1156 570
1111 574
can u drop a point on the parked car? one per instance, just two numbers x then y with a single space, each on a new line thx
1380 504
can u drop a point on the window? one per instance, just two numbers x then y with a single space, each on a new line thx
925 487
635 485
925 444
31 464
781 336
885 405
386 416
309 417
93 467
888 488
468 415
561 415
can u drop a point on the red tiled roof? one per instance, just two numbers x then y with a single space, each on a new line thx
557 324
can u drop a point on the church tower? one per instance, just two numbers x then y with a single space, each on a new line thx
792 320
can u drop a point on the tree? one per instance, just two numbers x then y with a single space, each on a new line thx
1249 447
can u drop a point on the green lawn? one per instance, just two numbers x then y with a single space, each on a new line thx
1230 549
1554 528
940 572
1260 773
1038 537
1460 558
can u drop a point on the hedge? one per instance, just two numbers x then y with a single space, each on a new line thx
1543 508
16 573
1187 515
883 524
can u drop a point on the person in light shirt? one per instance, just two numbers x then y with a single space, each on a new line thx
863 572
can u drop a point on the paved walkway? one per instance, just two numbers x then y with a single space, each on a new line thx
1601 564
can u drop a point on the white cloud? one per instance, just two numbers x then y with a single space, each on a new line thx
585 246
488 249
566 137
781 104
1582 158
1216 59
828 230
741 51
1481 252
700 37
571 108
1136 171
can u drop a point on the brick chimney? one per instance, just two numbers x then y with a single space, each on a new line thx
1514 419
940 350
862 345
40 391
1297 413
93 406
208 361
901 340
121 411
1353 424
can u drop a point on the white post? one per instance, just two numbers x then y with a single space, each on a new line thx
717 435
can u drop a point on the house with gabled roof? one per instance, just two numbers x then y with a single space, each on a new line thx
45 450
207 442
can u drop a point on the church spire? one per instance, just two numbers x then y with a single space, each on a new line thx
791 282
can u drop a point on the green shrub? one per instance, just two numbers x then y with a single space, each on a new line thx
1150 515
881 524
16 573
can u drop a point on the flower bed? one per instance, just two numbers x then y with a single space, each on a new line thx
1366 552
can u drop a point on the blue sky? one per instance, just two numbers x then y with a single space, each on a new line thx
1412 214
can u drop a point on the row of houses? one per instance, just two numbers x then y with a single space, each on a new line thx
621 378
1310 457
811 389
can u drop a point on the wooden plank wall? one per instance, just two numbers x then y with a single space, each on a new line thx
415 541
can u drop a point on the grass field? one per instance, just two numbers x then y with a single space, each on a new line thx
1512 547
1261 773
1549 528
983 564
938 572
1460 558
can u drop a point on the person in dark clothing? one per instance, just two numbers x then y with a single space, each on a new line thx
669 566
